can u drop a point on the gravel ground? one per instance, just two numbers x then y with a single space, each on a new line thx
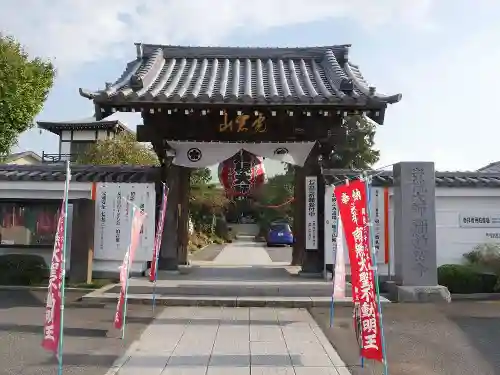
445 339
91 344
280 253
208 253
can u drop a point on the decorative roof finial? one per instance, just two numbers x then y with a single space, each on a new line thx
139 50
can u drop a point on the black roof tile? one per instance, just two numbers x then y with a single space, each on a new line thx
443 179
52 172
176 74
90 123
137 174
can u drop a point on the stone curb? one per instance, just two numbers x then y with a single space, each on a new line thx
297 302
37 288
476 297
120 361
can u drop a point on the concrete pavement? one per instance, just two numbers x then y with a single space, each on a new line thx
236 341
242 252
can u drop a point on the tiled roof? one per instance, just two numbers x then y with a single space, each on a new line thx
79 173
491 168
174 74
125 173
90 123
443 179
19 155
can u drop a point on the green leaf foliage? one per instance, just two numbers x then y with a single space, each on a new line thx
201 176
278 190
357 151
122 149
24 86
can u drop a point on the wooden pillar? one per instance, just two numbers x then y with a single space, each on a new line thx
183 233
82 241
168 258
313 260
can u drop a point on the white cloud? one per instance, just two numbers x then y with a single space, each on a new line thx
448 111
80 31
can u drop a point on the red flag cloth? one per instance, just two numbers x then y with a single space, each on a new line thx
52 325
352 203
159 233
137 221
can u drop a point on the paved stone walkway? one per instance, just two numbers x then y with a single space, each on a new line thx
232 341
245 253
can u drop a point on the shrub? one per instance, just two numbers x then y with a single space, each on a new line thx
460 278
22 269
486 257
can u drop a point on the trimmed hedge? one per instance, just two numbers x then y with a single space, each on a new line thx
22 269
465 279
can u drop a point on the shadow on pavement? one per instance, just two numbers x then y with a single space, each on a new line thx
461 338
68 331
21 298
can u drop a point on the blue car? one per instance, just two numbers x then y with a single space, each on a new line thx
280 234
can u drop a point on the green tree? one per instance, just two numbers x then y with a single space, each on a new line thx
357 152
122 149
278 190
24 86
201 176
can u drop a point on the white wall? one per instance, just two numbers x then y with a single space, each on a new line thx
454 240
81 135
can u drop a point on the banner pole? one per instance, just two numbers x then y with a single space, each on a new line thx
163 208
375 273
63 271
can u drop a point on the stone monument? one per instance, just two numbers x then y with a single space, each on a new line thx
415 260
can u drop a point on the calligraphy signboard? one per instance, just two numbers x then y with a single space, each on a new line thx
331 225
113 219
311 213
243 123
377 204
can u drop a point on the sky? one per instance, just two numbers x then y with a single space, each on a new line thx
442 55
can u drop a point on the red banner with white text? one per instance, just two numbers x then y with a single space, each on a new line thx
159 234
352 203
137 222
52 327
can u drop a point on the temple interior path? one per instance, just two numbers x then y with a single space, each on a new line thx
243 253
233 341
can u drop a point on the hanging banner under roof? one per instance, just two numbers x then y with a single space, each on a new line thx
205 154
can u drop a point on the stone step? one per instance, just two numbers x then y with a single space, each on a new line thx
247 301
227 290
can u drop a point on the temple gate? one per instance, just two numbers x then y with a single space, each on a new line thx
275 100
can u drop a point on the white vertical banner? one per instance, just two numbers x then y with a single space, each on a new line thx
113 220
311 213
331 219
378 222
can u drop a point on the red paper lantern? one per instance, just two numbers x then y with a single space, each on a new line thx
242 174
